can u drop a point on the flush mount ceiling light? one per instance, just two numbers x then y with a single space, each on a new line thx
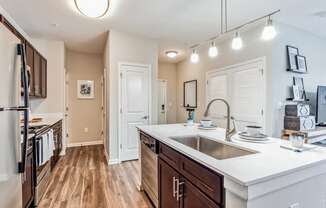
269 31
212 51
194 58
92 8
171 54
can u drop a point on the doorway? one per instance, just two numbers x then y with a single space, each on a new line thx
162 100
134 93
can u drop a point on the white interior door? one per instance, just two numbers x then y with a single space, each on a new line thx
162 108
135 94
243 86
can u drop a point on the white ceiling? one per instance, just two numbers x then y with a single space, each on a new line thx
176 24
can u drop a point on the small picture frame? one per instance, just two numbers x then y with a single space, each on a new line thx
298 81
292 52
85 89
301 63
296 93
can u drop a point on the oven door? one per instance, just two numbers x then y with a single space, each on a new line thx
149 174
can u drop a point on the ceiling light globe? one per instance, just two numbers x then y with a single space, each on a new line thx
194 58
212 51
269 31
91 8
171 54
237 43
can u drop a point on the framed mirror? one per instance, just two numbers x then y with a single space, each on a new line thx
190 94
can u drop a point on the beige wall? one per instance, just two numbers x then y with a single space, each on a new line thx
54 52
125 47
84 113
168 71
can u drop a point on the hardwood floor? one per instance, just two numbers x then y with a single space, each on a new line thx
82 179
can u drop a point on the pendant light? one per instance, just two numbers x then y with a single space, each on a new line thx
237 42
91 8
212 51
269 31
194 57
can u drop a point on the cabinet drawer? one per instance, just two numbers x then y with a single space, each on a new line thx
206 180
169 155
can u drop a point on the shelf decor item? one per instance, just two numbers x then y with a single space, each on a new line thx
301 63
298 81
85 89
292 52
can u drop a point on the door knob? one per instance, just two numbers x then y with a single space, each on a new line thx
145 117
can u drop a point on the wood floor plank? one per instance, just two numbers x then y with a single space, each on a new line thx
82 179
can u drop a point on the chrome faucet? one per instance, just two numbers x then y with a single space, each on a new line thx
228 133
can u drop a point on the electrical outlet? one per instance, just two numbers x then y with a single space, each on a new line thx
296 205
85 130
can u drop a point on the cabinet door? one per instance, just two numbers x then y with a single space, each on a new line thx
28 181
30 63
192 197
37 74
44 77
167 176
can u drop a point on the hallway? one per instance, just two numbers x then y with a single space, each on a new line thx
82 179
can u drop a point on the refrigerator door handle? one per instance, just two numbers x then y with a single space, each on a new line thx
25 108
20 108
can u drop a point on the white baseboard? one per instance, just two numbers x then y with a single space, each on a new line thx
79 144
114 161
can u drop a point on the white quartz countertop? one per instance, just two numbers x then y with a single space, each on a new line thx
270 162
47 119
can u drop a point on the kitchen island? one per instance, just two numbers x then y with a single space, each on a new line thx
267 177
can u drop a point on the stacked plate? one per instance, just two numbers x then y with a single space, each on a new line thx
253 138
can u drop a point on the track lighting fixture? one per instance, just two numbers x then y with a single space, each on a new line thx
269 31
212 51
237 42
194 57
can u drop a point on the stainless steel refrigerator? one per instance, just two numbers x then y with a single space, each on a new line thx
13 118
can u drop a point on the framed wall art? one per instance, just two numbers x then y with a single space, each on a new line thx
85 89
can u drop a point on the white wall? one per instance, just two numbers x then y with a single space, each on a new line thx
311 46
123 47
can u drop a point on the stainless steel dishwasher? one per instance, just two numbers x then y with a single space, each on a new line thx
149 167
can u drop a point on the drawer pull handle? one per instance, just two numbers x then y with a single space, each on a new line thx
178 189
174 190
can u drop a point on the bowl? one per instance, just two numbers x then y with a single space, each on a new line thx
253 130
206 123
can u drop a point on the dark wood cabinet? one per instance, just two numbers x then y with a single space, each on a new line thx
36 62
167 183
184 183
37 75
192 197
30 64
28 179
43 77
57 136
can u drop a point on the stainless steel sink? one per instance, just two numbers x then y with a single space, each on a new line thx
212 148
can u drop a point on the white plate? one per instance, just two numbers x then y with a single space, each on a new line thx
260 137
207 128
253 141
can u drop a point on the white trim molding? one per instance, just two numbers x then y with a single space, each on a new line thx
114 161
80 144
